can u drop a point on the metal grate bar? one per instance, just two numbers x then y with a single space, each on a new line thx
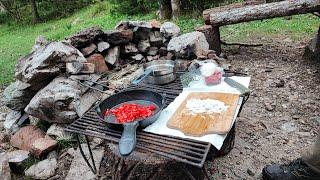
187 151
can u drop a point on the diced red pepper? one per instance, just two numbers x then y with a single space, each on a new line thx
130 112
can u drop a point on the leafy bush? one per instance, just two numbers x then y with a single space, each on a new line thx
21 10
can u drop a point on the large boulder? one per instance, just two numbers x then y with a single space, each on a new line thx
85 37
56 102
18 95
43 169
41 66
189 46
169 30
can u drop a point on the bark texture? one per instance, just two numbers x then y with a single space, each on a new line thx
263 11
35 14
144 166
206 13
176 8
165 9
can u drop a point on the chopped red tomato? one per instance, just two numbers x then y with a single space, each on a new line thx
130 112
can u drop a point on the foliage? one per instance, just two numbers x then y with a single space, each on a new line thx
21 10
131 7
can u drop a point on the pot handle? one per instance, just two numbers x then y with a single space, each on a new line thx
128 138
142 77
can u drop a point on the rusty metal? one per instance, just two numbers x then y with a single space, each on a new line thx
183 150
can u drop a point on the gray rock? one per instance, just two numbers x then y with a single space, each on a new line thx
5 173
153 51
86 51
43 169
18 95
39 41
113 55
79 169
137 57
85 37
169 30
3 116
118 37
144 46
315 119
102 46
130 49
11 120
163 51
18 160
155 38
288 127
57 132
52 155
190 45
56 102
47 62
34 120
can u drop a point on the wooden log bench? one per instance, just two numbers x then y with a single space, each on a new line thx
250 11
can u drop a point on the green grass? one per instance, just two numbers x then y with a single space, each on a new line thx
17 40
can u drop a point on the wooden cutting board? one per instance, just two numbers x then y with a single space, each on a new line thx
203 124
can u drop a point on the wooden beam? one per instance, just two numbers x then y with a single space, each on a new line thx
264 11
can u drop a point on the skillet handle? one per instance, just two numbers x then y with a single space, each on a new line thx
142 77
128 138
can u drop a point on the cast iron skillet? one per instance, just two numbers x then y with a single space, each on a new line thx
143 97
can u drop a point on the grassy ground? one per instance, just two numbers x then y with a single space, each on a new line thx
17 40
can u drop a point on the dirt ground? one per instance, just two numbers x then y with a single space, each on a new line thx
277 123
292 121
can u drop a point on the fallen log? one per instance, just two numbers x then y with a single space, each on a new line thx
206 13
263 11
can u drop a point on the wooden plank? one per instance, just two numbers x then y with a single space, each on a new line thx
264 11
202 124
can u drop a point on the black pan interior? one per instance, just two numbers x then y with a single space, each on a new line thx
133 96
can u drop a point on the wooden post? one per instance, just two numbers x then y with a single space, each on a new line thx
216 40
212 35
312 50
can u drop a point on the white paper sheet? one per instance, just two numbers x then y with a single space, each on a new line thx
160 127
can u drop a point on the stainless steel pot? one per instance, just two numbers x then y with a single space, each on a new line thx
158 72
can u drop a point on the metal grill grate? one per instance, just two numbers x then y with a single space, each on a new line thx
183 150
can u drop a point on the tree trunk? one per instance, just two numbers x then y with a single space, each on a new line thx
206 13
35 14
176 8
263 11
165 9
144 166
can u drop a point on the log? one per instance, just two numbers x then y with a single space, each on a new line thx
144 166
264 11
206 13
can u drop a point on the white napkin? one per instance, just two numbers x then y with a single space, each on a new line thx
160 126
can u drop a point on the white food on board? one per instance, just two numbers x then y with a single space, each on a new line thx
205 106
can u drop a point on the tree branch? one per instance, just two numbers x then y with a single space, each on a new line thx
240 44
